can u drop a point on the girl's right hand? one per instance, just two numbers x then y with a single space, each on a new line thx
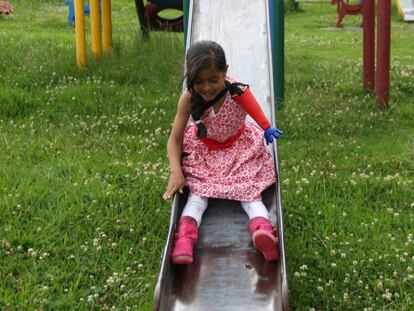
175 183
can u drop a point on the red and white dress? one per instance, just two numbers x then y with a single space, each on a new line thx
239 171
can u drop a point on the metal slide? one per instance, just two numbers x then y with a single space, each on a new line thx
228 273
406 9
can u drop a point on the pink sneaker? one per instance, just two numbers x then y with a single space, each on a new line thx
185 239
264 237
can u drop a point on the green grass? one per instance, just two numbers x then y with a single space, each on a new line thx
83 165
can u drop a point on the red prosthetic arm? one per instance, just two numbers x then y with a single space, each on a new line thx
252 107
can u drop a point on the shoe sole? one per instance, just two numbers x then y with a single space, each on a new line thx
182 260
265 242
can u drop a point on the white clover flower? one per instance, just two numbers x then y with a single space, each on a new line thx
387 295
110 281
379 284
346 296
31 252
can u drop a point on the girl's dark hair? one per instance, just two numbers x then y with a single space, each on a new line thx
201 55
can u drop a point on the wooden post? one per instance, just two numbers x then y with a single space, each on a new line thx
383 53
106 26
80 34
368 14
96 36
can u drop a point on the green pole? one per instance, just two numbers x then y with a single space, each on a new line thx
140 7
277 24
186 7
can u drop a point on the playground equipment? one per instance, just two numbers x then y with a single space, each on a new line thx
150 19
5 8
406 9
345 8
71 13
98 45
227 272
379 79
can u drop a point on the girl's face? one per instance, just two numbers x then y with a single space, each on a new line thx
210 82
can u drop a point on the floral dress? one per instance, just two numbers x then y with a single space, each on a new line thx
239 171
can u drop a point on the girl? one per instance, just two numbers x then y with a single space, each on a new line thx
219 154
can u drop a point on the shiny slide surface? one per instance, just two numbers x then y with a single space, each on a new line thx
228 273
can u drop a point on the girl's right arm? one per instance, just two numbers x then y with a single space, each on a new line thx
176 181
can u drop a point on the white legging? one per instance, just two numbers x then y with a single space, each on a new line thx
196 206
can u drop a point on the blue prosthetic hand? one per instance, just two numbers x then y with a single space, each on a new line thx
270 133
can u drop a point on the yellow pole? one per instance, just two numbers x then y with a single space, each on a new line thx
96 37
80 33
106 26
400 9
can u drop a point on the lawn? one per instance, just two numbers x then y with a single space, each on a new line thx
83 164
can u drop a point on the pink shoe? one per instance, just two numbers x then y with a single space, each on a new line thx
186 238
264 237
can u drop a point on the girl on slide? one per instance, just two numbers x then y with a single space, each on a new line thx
220 153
